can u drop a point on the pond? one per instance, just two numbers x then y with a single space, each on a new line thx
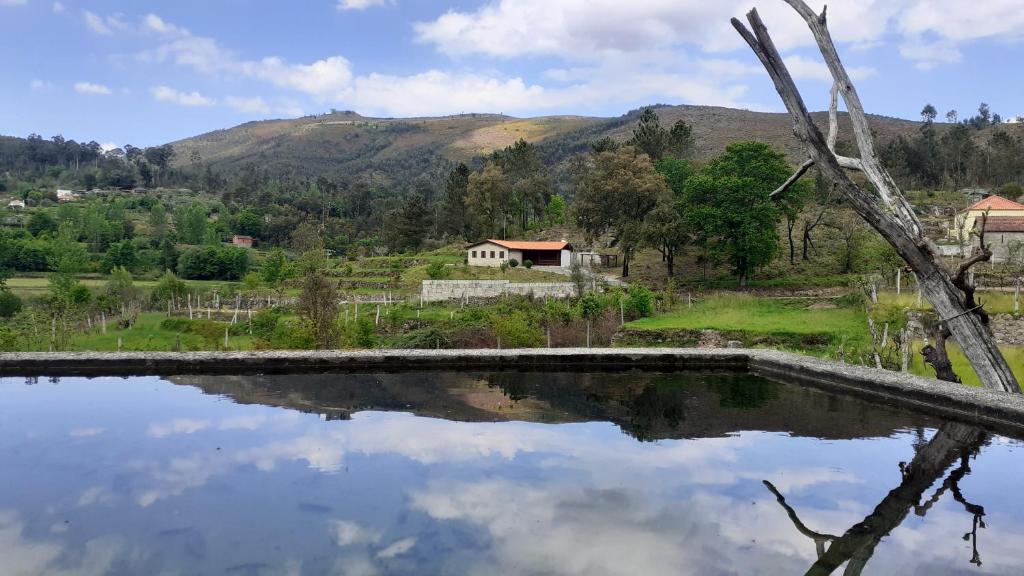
504 473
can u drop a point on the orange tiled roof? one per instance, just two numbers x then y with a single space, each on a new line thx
1002 224
525 245
996 203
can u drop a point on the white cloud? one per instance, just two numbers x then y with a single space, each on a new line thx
803 68
177 426
58 8
191 99
325 80
104 25
397 548
157 24
108 146
345 533
360 4
38 85
928 55
91 88
13 2
87 432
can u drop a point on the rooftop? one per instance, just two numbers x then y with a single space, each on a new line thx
528 245
996 203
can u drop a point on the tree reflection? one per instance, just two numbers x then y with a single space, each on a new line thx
951 443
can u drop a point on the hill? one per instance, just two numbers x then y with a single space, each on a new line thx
345 144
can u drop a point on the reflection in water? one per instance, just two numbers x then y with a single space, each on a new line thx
520 474
951 442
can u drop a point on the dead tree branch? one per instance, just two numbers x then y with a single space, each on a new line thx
887 211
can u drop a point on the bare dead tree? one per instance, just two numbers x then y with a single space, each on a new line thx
885 209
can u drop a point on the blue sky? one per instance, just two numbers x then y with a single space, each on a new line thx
147 72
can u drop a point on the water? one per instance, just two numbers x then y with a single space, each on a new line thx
553 474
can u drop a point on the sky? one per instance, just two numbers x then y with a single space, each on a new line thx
144 72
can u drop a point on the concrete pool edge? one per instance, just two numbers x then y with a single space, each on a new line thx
1002 411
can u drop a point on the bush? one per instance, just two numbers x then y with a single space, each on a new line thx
516 331
214 263
527 264
512 262
639 302
437 271
10 304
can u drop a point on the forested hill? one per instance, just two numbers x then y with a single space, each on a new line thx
346 145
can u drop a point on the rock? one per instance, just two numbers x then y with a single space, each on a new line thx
734 344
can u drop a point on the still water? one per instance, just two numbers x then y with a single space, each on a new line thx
491 474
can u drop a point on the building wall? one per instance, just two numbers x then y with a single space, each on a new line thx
1001 242
964 223
441 290
483 255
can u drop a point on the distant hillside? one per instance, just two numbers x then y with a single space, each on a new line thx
348 145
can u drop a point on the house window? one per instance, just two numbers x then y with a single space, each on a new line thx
492 253
474 253
501 254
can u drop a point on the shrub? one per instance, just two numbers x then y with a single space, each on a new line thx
437 271
516 331
527 264
639 302
214 263
10 304
359 334
512 262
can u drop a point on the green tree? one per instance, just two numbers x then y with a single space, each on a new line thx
318 306
680 140
488 200
729 202
614 195
190 221
649 136
168 254
556 210
411 223
120 255
249 222
157 223
454 202
40 222
275 270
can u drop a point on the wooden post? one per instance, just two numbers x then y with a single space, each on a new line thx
549 335
119 343
689 300
225 337
376 321
622 312
588 333
899 280
103 322
1016 296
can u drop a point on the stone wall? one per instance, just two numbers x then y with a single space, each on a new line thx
1008 329
441 290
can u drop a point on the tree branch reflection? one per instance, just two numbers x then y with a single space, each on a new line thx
855 547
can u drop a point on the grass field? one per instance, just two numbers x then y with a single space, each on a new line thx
37 286
1014 357
995 302
147 335
785 320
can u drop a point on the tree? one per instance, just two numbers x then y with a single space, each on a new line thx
555 211
928 114
665 230
120 255
951 116
680 140
614 195
730 201
249 222
454 202
168 254
649 136
411 222
884 207
488 201
157 222
275 270
40 222
190 221
318 306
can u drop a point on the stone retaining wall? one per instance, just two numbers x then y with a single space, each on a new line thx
1000 411
1008 329
441 290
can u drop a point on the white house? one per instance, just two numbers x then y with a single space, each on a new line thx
16 204
497 252
66 196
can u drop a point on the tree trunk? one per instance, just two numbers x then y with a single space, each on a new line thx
670 263
887 211
790 223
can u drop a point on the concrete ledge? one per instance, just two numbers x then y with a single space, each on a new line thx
996 410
